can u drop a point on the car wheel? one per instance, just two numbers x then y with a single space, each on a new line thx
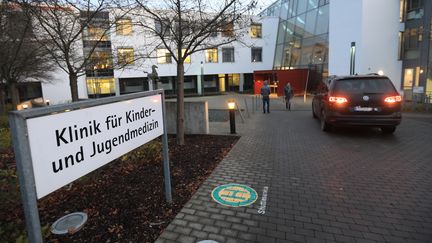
388 130
324 125
313 112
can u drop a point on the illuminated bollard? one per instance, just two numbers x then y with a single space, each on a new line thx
231 108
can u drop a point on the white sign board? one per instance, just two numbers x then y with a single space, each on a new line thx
69 145
418 89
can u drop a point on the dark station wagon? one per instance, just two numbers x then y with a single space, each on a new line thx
358 100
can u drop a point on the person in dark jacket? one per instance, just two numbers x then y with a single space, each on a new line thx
265 92
288 92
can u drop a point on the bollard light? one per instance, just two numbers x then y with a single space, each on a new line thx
231 108
47 102
231 104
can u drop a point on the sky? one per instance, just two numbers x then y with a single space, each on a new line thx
262 4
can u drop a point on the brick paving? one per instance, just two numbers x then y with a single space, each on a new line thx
351 185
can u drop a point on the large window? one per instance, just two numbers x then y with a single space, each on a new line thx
95 33
228 30
124 26
100 60
125 56
211 55
256 54
411 43
256 31
100 86
414 9
228 54
163 56
322 23
162 28
188 58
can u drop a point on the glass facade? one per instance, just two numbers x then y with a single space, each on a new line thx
302 38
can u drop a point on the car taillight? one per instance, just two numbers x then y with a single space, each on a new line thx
393 99
337 100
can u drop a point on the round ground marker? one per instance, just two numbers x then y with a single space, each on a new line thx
70 223
234 195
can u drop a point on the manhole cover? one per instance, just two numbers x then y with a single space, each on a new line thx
70 223
234 195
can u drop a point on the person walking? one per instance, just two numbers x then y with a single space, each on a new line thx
265 92
288 92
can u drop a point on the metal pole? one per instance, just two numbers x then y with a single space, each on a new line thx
166 163
307 80
26 177
240 112
232 121
247 108
253 107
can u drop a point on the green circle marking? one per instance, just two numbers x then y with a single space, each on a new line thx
234 195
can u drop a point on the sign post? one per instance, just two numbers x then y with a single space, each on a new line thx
56 145
26 177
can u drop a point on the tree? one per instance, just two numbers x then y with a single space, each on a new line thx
64 23
185 27
22 57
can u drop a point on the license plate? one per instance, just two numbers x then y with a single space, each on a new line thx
360 108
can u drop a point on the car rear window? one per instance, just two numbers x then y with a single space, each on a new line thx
375 85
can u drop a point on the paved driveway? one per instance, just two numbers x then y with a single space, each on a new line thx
351 185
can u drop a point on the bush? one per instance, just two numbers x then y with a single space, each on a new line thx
4 121
5 138
417 107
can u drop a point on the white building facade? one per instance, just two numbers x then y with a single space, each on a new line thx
228 68
372 27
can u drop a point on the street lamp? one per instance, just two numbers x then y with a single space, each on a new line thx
352 58
231 108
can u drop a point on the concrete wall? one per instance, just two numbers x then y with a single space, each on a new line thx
374 26
196 117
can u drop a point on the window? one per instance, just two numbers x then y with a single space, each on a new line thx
163 56
125 56
256 53
100 60
162 28
400 47
211 55
256 31
228 54
97 86
322 23
188 58
124 26
95 33
228 30
414 9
